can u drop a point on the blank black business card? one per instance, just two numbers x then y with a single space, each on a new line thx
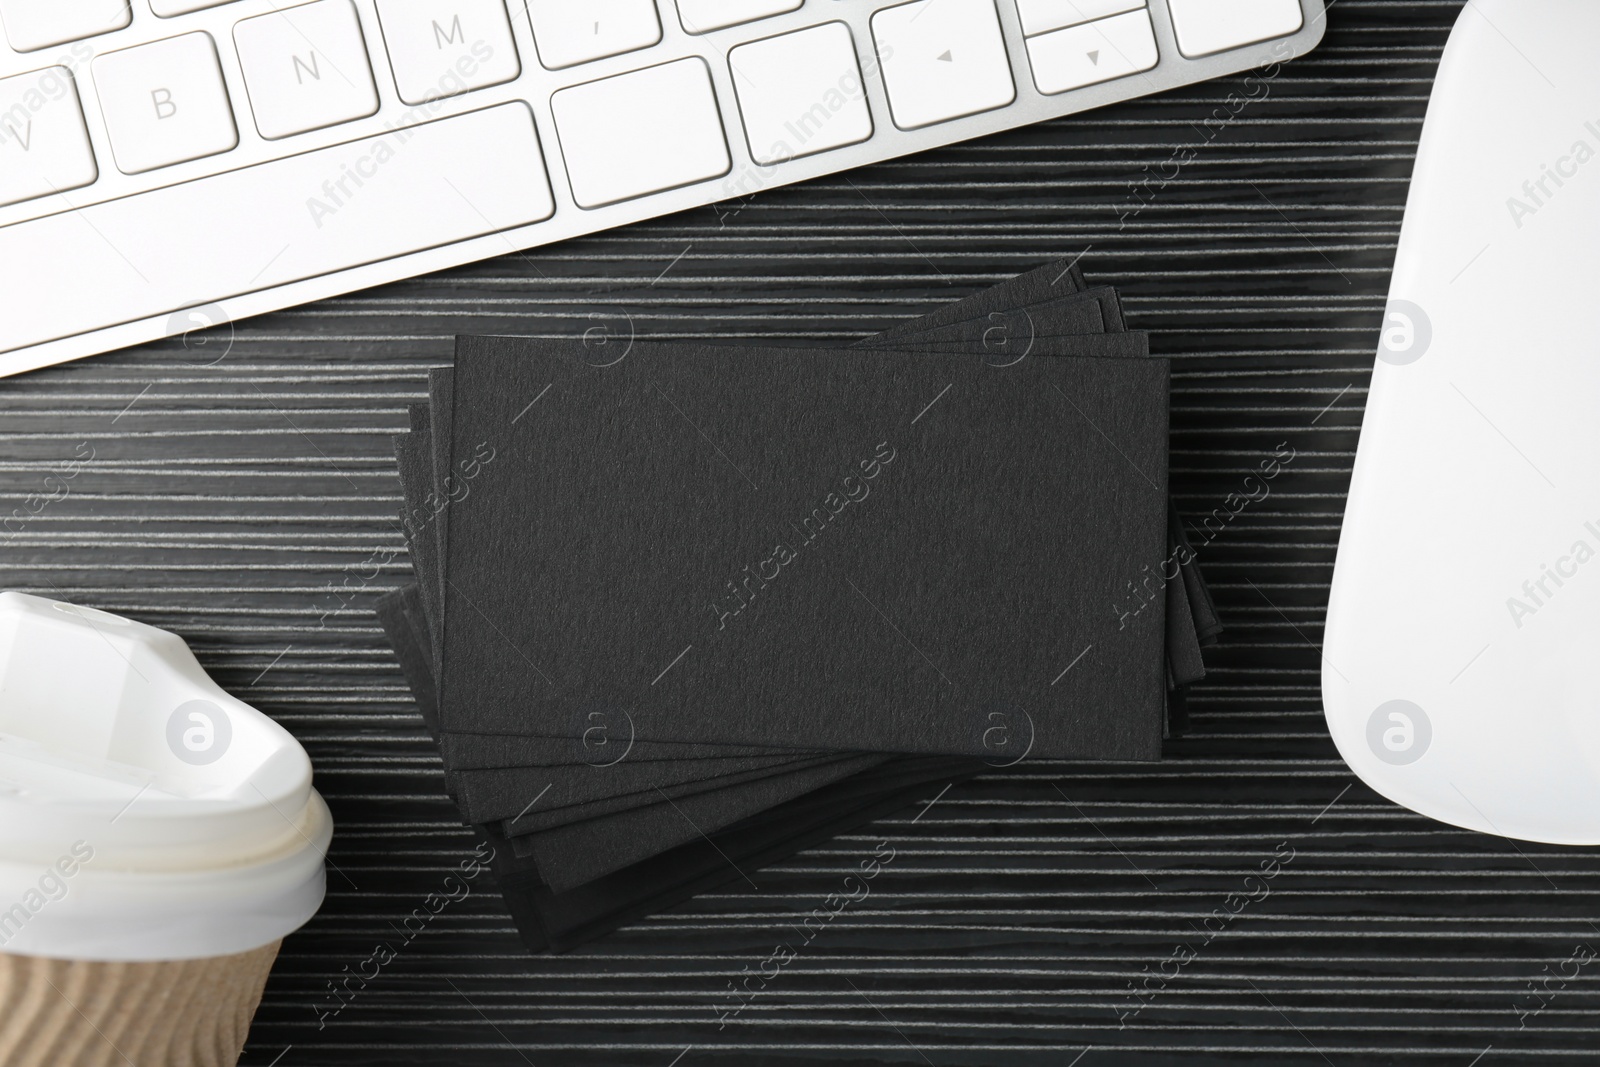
982 520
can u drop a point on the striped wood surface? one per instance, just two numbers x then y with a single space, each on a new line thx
248 504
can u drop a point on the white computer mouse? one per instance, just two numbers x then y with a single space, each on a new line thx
1460 662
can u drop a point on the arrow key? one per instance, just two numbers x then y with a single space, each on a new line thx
1093 52
942 59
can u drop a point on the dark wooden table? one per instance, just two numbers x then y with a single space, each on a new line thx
243 494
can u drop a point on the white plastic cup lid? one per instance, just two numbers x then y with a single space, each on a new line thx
145 814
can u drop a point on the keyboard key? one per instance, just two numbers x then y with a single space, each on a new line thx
168 8
306 68
271 224
703 16
1042 16
44 147
800 93
641 132
441 48
164 103
1206 27
35 24
942 59
1093 52
569 32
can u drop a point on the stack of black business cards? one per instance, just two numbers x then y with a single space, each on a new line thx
683 610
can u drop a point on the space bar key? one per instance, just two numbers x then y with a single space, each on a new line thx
271 224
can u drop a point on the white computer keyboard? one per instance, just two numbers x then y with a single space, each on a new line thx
170 163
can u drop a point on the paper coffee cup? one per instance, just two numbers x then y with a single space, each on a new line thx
158 839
